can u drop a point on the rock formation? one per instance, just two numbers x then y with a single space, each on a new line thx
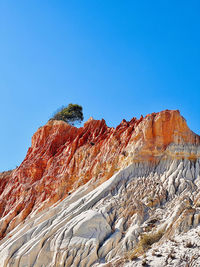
96 195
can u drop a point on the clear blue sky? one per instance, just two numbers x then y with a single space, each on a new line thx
118 59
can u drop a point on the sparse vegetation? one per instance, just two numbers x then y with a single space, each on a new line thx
145 242
71 114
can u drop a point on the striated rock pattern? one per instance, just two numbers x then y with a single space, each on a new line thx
89 229
90 196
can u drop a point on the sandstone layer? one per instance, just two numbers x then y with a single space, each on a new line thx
106 224
84 196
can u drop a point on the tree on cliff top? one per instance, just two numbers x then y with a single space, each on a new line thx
71 114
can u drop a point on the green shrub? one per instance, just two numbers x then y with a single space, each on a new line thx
71 114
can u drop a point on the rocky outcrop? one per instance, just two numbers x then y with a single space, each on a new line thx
84 196
87 229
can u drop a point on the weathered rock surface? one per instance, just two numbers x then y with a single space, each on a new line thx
84 197
107 222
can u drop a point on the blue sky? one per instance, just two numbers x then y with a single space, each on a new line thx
118 59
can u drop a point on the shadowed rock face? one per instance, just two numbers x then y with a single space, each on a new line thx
63 158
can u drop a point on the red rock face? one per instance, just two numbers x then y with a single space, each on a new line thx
63 157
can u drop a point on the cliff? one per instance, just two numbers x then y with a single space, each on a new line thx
65 163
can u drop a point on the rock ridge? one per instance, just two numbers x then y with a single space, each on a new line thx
62 158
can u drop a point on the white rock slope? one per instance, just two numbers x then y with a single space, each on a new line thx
94 227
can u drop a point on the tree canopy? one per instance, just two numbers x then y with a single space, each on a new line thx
71 114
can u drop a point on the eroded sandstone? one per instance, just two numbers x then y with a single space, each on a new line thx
83 196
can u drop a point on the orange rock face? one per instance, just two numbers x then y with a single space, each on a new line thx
63 157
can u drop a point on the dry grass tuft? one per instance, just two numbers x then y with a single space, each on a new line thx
145 242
